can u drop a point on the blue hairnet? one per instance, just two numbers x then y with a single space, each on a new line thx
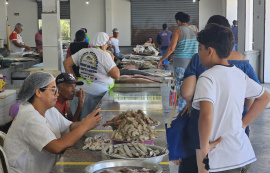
33 82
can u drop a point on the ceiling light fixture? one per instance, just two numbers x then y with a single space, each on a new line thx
6 2
87 2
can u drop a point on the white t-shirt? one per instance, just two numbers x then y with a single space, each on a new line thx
227 87
95 64
15 36
27 136
115 42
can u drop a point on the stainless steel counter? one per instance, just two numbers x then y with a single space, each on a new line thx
149 100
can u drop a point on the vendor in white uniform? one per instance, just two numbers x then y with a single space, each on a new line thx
16 42
97 70
39 132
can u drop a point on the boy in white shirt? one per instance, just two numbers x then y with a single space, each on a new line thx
220 94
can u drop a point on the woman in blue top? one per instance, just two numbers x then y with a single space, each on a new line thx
192 73
184 44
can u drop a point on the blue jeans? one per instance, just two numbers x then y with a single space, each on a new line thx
166 61
179 75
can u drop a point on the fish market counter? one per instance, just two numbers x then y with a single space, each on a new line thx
116 101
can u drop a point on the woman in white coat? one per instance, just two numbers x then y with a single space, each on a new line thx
39 132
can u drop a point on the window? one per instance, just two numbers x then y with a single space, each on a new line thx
65 29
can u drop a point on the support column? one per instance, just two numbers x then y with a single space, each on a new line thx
267 43
259 34
241 18
51 35
109 16
249 25
3 20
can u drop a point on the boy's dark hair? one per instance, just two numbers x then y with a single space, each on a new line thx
220 20
218 37
164 26
79 36
182 17
235 22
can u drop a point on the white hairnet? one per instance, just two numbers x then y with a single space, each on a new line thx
33 82
99 39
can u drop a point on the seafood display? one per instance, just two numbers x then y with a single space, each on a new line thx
141 65
96 143
133 150
134 116
133 72
133 129
126 170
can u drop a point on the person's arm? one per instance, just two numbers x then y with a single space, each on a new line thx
188 88
114 51
256 108
78 129
114 72
196 29
205 127
248 103
171 48
68 63
27 48
187 91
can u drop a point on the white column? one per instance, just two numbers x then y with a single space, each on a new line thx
259 34
267 43
241 18
249 25
3 20
231 10
51 35
109 16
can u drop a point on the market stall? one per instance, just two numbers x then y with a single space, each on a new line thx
149 100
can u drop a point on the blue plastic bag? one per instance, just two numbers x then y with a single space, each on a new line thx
177 139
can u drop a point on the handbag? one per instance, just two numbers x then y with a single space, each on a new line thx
176 131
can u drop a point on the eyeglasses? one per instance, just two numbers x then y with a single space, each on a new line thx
55 90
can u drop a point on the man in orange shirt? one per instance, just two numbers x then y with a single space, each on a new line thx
16 41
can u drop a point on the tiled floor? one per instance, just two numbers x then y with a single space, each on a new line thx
259 135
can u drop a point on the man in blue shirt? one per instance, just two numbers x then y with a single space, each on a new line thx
164 40
235 33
